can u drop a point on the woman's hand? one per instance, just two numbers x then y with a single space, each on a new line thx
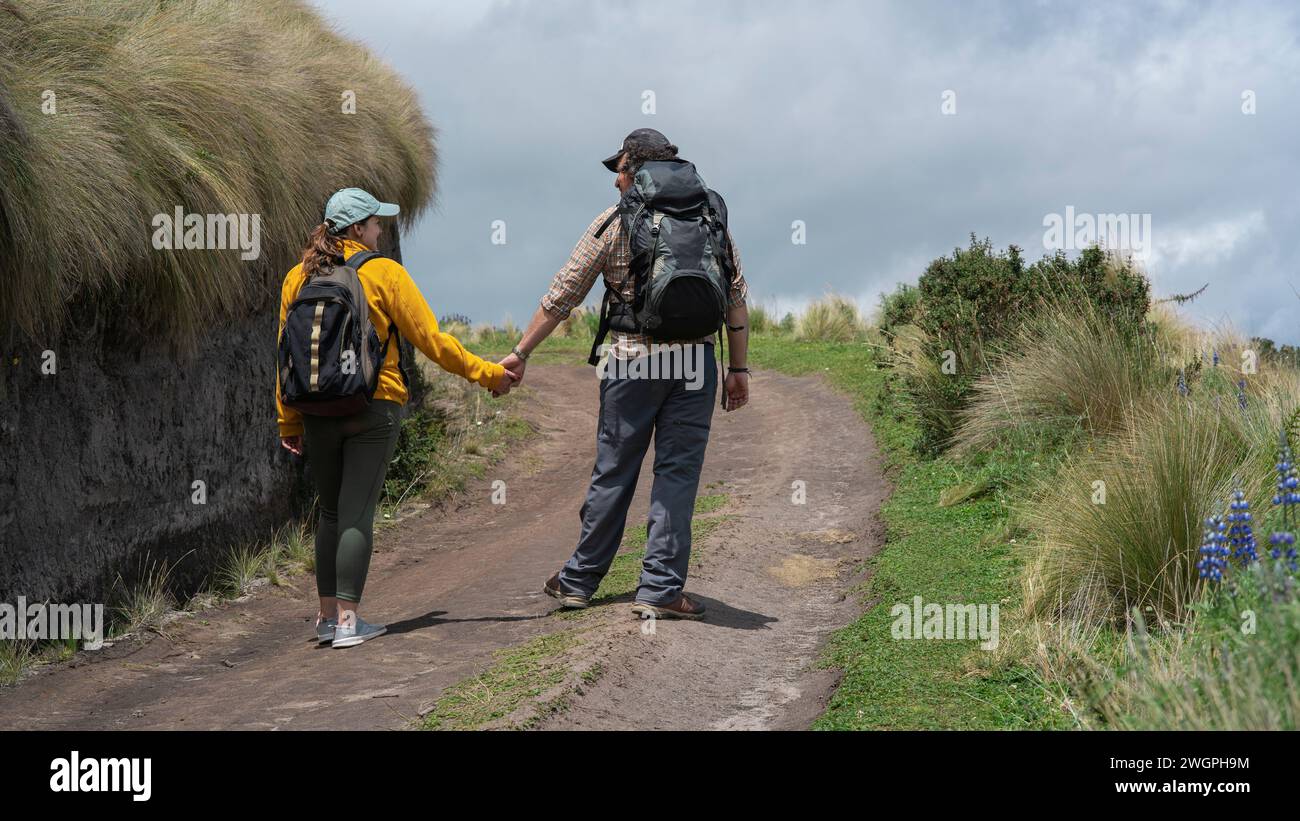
507 381
293 444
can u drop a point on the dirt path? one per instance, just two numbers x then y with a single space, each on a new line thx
457 584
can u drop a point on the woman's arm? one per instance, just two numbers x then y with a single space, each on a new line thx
289 420
414 319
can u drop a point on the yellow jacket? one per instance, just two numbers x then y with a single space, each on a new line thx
392 296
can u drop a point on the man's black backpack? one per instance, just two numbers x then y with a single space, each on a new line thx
329 353
680 264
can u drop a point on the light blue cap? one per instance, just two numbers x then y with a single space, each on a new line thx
349 205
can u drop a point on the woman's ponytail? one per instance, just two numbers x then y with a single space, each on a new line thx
323 249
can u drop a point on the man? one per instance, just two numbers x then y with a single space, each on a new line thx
675 411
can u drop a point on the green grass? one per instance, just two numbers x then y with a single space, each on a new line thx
518 674
957 554
1237 670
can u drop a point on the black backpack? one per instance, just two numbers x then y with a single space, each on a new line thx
680 264
329 353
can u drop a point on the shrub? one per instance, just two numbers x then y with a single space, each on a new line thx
934 391
973 304
898 308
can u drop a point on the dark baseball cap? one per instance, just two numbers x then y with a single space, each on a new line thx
642 138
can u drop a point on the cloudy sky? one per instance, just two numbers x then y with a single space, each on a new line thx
891 130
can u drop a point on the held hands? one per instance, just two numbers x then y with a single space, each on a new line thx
737 387
507 381
513 363
514 375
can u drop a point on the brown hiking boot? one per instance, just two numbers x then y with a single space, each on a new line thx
684 607
572 600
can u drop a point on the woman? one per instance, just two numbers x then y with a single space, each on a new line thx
349 455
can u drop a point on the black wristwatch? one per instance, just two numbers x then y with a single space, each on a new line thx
737 370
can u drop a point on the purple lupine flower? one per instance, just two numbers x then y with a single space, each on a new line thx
1283 541
1241 394
1214 553
1182 383
1241 536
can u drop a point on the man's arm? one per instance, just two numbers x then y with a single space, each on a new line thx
737 382
569 288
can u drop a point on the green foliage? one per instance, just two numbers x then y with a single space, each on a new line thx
1237 670
899 307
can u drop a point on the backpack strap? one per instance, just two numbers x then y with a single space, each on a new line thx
360 258
355 262
606 223
602 331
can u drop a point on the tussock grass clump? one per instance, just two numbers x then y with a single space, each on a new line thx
833 318
931 380
581 323
241 567
761 321
145 603
15 658
220 108
1172 465
1070 366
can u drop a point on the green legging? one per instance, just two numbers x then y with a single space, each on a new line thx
348 457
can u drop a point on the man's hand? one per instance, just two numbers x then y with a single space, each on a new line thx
293 444
737 390
512 362
515 369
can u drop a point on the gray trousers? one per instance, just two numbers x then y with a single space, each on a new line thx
631 409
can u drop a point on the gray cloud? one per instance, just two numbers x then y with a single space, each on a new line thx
830 113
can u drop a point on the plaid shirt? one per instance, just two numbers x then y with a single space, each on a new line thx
609 254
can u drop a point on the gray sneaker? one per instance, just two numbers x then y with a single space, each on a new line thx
325 630
347 635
